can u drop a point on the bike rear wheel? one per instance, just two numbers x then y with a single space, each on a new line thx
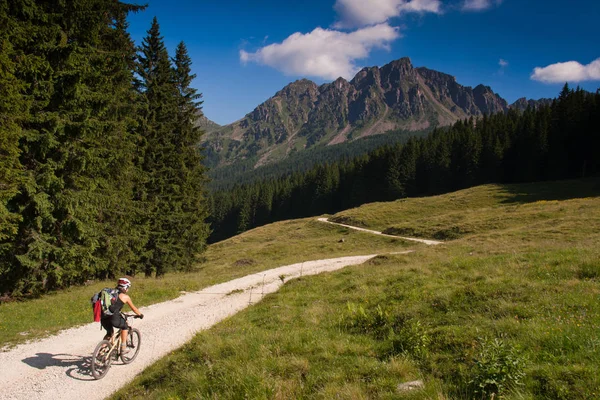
101 359
134 341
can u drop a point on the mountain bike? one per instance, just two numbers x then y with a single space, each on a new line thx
108 350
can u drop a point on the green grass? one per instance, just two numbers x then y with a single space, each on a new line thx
514 301
427 215
278 244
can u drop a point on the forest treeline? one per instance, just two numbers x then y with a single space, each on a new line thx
100 173
243 171
558 141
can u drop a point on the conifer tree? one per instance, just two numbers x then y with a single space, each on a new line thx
394 185
174 177
27 32
193 230
325 183
68 68
158 125
244 218
265 203
407 169
124 234
13 110
562 115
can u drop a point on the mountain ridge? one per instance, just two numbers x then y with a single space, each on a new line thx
396 96
206 124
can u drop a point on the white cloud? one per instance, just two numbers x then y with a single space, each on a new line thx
479 5
570 71
421 6
503 63
358 13
323 53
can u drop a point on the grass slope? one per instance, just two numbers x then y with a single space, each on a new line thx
509 309
282 243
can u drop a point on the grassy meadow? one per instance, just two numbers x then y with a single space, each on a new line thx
508 307
279 244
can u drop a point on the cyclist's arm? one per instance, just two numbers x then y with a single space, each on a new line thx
130 304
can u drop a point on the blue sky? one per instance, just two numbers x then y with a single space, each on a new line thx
245 51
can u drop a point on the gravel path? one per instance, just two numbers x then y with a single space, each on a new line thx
426 241
57 367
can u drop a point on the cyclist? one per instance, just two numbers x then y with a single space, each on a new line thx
116 320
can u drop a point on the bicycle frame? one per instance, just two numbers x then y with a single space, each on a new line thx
110 349
115 341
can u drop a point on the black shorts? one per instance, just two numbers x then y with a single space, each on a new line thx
113 321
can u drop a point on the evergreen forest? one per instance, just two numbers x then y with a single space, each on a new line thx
223 178
552 142
100 172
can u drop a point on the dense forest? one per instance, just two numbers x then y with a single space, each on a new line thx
100 173
557 141
244 171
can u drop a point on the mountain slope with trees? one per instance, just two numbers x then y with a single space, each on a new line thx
557 141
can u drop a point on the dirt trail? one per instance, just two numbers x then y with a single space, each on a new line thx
426 241
57 367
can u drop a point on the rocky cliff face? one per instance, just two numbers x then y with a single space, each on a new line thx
376 101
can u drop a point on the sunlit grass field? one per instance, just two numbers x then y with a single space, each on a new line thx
508 307
279 244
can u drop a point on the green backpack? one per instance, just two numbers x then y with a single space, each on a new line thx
102 301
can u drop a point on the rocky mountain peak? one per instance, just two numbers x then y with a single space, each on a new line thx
340 82
366 77
397 96
402 64
482 89
487 101
398 74
340 85
301 86
204 123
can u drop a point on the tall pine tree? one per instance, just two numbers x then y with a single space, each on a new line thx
174 177
193 230
75 147
13 110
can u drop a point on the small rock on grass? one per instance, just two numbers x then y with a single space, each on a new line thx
408 386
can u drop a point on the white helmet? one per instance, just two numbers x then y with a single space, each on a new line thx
123 283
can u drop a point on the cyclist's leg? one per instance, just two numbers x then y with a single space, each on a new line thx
107 324
124 333
118 321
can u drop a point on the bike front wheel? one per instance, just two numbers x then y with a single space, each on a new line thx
101 359
134 340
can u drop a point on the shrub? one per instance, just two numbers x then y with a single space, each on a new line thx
375 322
412 339
497 369
401 335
